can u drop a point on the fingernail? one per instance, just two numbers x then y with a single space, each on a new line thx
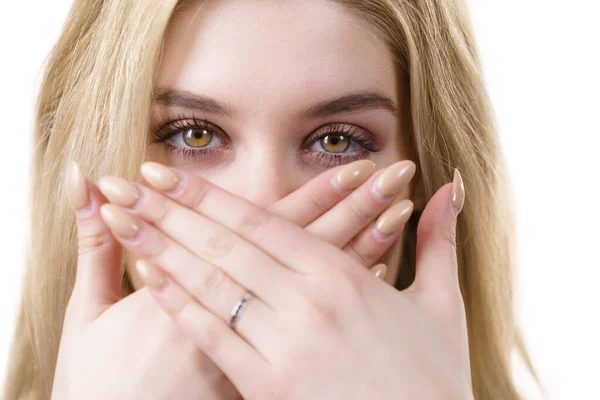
380 270
458 193
118 191
77 191
159 176
353 175
150 274
394 218
119 220
394 178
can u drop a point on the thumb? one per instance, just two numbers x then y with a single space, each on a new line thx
436 260
98 278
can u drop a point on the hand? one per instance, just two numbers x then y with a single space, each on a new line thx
349 225
206 247
136 315
113 348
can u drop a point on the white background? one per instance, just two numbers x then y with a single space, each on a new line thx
541 65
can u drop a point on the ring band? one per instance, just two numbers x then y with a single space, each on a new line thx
239 307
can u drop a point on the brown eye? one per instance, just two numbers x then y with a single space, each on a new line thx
197 137
335 143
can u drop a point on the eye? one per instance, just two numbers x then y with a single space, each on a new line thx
331 144
336 143
197 138
189 139
341 143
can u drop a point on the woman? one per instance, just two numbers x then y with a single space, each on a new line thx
242 108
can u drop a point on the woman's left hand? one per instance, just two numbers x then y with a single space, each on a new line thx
319 326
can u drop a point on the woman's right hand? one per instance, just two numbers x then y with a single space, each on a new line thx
113 348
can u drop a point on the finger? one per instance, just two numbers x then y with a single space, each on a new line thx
374 240
306 204
436 260
207 284
234 356
380 271
207 240
340 224
98 276
280 239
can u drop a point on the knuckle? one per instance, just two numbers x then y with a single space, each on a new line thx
445 230
364 253
318 200
196 196
359 211
154 245
317 310
162 212
251 222
220 243
158 246
92 240
212 286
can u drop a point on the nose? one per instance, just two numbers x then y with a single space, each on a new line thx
262 176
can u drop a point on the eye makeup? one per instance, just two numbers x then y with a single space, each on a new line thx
322 147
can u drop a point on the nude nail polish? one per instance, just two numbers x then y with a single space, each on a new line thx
354 174
119 220
118 191
380 271
394 218
159 176
394 178
77 191
458 193
150 274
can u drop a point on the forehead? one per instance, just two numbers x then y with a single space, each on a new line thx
274 52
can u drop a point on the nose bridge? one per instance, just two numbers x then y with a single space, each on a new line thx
264 176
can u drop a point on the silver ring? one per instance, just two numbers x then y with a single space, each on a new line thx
239 307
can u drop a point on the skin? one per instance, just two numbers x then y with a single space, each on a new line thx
327 328
198 58
266 51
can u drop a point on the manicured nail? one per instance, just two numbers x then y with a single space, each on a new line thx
159 176
77 191
394 178
119 220
394 218
118 191
380 270
458 193
150 274
353 175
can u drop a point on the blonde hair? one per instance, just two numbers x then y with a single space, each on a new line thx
94 107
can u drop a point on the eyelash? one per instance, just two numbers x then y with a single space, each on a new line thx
167 129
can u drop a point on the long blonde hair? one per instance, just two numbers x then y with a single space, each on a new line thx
94 107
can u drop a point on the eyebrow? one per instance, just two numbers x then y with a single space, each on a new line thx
354 101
